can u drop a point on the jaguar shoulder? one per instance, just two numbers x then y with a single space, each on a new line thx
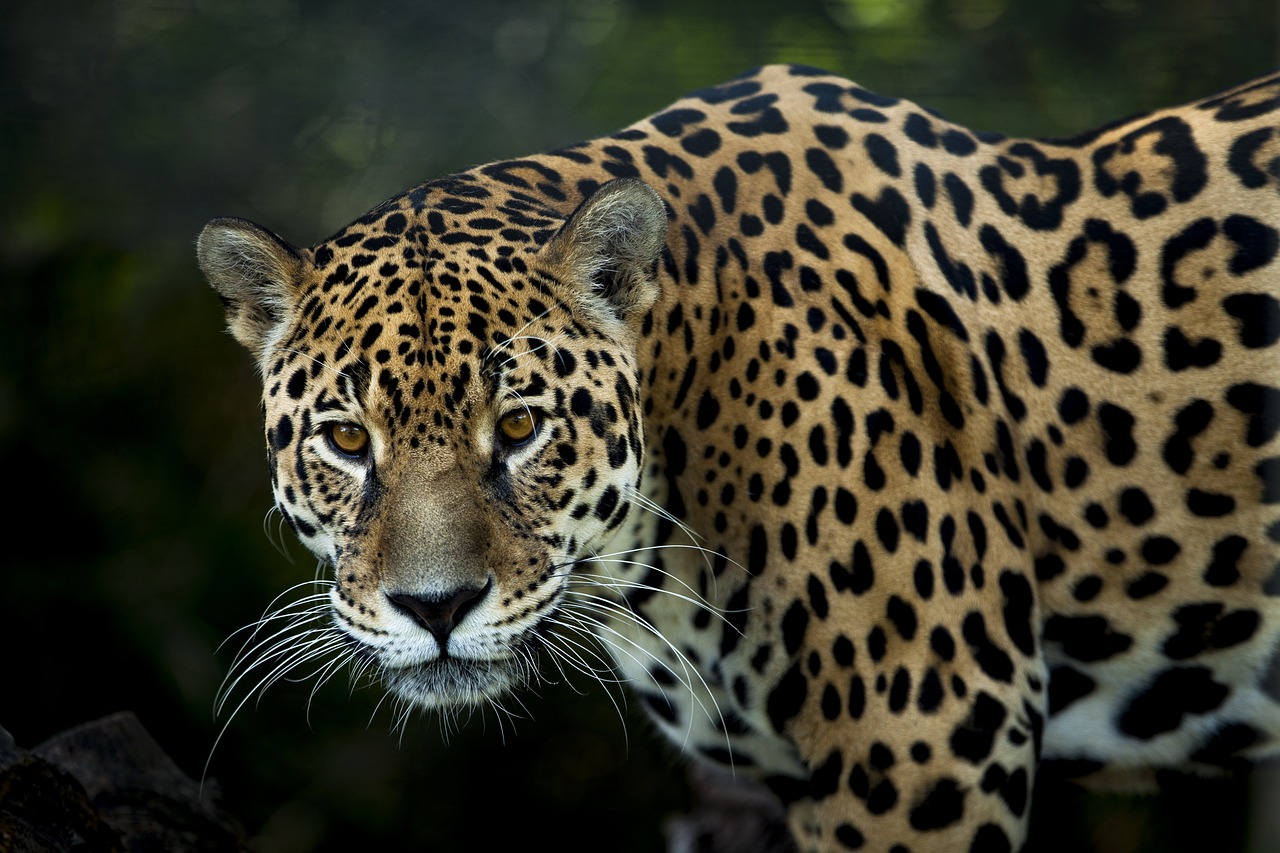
889 461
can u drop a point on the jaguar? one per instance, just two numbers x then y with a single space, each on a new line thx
890 463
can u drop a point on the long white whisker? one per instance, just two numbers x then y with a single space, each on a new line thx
696 600
603 605
265 652
293 660
573 654
639 498
269 614
285 639
256 651
275 534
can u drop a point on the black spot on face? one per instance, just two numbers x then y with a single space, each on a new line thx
1160 550
849 836
757 550
842 651
282 436
1011 787
708 410
1073 406
923 577
825 779
876 644
883 797
297 384
942 644
857 701
659 706
1209 504
930 697
1087 588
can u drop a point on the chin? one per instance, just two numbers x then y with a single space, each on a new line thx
453 682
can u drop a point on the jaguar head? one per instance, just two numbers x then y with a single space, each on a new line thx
453 420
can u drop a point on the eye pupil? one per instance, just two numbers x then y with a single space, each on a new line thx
349 438
517 427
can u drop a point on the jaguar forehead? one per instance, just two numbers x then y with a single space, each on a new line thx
417 326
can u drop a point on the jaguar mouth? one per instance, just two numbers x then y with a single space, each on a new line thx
455 680
451 681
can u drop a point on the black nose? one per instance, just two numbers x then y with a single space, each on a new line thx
439 614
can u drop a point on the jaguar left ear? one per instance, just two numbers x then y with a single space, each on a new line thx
610 247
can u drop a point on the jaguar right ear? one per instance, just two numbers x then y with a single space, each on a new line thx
256 273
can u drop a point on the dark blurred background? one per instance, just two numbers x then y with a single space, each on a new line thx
135 479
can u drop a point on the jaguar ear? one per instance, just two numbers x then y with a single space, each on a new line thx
610 246
256 274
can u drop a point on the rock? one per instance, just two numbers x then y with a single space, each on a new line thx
106 786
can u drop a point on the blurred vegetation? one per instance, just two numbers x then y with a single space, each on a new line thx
129 435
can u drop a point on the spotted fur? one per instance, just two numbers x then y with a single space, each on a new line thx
890 461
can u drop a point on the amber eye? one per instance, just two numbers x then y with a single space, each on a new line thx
349 439
518 427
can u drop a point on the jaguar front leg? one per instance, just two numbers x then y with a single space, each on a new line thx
931 760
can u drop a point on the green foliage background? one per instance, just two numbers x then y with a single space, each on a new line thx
134 476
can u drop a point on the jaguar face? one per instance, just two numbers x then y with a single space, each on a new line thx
453 432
